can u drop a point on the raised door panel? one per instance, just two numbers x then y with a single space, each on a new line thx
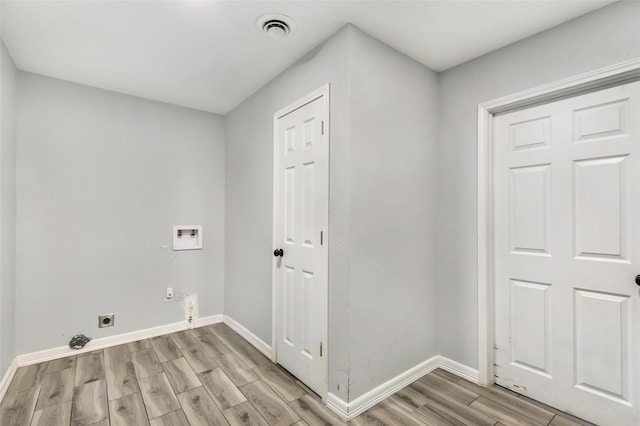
288 306
530 209
308 205
600 208
530 326
307 316
535 133
602 343
289 205
600 121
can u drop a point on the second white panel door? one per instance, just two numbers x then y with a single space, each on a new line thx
301 235
567 250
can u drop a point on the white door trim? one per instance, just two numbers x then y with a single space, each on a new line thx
321 92
609 76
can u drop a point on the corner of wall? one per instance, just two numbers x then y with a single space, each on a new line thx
8 137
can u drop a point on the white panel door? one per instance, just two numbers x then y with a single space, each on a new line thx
301 267
567 251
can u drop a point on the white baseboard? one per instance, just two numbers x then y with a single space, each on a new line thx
338 406
460 370
211 319
118 339
8 376
249 336
349 410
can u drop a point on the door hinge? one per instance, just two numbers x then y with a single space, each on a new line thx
321 238
322 127
320 348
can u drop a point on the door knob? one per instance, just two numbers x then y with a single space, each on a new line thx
638 279
280 252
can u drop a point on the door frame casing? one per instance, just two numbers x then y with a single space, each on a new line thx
599 79
323 92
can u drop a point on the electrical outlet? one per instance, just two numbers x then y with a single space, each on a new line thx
168 297
106 320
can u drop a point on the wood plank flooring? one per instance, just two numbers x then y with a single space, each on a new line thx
212 376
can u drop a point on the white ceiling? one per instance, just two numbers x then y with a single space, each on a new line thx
208 54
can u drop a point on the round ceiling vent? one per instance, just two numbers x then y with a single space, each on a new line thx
275 25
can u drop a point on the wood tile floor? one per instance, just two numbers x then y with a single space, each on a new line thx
211 376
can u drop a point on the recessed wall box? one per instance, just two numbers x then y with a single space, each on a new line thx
187 237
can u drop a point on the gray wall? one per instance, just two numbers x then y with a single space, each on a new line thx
8 100
392 177
604 37
101 179
382 189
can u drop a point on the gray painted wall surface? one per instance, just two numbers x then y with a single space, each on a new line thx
102 178
393 111
604 37
8 124
382 178
249 198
